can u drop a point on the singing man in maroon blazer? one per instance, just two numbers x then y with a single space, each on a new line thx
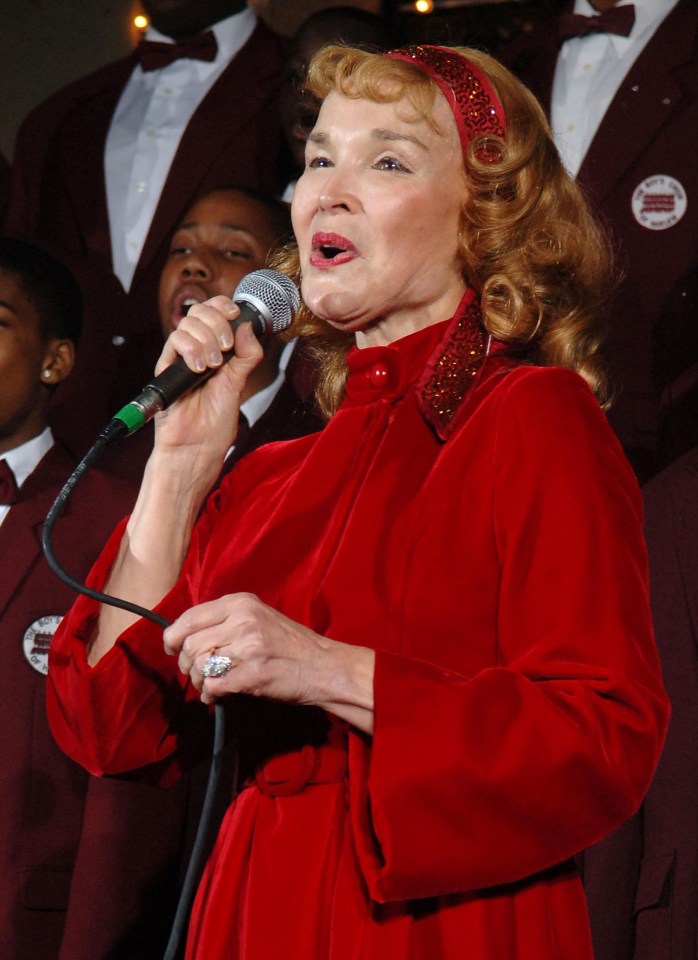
624 112
105 168
228 232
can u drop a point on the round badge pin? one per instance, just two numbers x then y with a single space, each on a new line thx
659 202
37 641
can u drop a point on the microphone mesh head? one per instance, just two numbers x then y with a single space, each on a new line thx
274 296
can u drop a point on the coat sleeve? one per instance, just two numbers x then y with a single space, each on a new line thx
476 781
134 708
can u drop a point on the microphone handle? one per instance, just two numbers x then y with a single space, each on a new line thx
178 378
174 381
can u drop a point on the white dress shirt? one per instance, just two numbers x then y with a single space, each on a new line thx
589 72
259 402
150 118
24 459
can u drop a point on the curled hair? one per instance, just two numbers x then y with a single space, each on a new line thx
529 244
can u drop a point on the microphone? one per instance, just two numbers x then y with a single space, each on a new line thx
267 299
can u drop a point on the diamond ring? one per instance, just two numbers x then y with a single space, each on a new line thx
216 666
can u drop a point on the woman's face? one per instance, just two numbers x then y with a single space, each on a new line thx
376 215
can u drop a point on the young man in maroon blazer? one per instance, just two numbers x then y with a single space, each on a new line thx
624 110
43 792
105 168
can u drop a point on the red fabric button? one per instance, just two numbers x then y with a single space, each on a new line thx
379 376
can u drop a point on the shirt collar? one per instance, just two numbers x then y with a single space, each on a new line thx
257 404
24 459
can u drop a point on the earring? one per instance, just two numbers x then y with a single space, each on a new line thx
46 373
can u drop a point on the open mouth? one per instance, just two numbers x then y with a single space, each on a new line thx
185 304
331 250
185 299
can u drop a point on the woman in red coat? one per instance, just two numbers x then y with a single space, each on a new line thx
431 618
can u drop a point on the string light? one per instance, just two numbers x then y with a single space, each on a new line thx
424 6
140 22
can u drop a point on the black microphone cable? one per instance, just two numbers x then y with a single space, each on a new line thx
268 300
195 864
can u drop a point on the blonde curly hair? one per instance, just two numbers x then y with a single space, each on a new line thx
530 247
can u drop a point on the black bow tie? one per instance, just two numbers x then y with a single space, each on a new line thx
618 20
153 55
9 492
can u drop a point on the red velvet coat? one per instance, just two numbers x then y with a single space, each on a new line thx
482 532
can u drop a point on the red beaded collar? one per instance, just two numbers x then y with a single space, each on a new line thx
455 352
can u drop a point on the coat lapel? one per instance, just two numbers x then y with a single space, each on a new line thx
82 157
20 534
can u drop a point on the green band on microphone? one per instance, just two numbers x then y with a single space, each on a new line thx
132 416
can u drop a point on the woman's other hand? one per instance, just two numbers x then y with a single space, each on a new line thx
272 656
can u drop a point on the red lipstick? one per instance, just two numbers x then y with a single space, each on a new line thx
331 250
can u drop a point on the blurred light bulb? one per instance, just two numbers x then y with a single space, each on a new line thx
140 22
424 6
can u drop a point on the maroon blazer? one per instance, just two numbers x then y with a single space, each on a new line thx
59 198
642 882
43 792
647 132
666 902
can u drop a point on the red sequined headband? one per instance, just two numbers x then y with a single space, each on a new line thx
470 96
